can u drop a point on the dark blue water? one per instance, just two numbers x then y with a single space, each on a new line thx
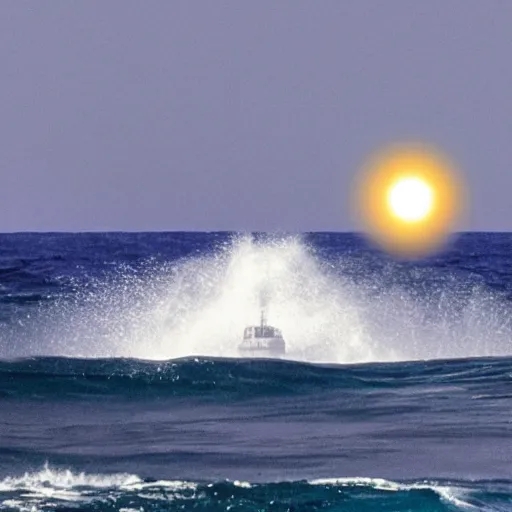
121 387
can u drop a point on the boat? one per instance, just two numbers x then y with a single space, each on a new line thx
262 340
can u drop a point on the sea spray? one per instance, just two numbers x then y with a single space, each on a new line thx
356 308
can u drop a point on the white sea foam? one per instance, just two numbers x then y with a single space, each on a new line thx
53 487
63 485
200 305
49 479
451 494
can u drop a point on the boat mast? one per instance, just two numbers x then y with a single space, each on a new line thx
263 319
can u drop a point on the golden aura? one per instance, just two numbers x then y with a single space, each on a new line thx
413 235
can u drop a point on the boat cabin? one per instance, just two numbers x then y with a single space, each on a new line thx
263 331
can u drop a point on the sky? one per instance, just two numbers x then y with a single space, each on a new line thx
242 115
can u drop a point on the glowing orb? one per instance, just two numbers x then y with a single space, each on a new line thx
408 200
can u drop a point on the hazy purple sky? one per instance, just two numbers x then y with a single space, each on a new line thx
215 115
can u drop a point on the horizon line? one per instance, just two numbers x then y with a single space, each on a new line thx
217 231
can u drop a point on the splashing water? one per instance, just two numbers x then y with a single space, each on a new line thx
200 306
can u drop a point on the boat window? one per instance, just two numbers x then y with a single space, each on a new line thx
266 332
248 332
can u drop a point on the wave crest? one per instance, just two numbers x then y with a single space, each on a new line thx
60 488
232 378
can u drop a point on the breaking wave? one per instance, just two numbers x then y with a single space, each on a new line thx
61 489
334 309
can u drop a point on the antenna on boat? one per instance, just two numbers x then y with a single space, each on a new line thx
263 319
264 300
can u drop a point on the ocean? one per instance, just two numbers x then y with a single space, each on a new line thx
121 386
